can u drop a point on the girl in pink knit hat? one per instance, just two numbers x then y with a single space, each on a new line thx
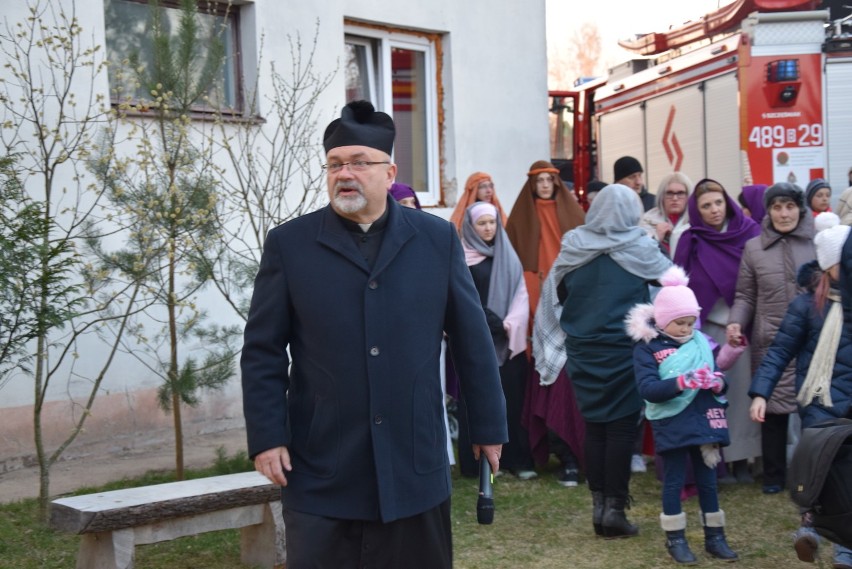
685 404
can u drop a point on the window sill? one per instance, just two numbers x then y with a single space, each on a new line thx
201 116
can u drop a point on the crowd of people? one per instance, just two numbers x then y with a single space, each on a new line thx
593 382
593 328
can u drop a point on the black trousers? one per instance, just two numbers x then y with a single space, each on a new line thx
423 541
609 448
773 442
562 450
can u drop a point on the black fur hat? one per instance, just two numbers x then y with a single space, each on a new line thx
360 125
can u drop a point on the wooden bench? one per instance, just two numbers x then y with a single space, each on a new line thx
113 523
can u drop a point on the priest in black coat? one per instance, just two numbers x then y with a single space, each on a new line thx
340 366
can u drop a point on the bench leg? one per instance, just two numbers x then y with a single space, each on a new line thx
258 545
107 550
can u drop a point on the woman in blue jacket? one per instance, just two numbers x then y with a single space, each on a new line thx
812 332
674 368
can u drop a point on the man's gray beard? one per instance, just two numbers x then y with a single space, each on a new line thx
351 204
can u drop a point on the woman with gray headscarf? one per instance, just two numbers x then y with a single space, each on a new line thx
499 279
602 270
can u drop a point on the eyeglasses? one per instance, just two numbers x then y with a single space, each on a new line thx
485 186
676 195
354 166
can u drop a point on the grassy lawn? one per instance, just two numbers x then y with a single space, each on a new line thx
540 524
537 524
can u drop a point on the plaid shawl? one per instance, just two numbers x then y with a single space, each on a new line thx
612 228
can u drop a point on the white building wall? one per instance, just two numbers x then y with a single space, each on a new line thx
496 94
494 77
493 118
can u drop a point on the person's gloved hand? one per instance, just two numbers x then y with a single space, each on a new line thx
716 383
495 323
688 381
703 374
709 379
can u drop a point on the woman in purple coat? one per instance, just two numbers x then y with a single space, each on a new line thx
710 252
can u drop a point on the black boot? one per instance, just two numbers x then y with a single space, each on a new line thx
676 543
679 548
741 472
614 522
597 511
714 536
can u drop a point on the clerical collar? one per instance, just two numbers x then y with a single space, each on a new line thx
374 227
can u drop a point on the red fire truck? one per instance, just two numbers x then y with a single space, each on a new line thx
759 91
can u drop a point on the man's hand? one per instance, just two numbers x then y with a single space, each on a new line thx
492 453
757 411
273 463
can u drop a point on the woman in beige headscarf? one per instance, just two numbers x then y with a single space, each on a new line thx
478 188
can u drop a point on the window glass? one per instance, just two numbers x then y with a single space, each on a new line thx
562 128
395 72
408 69
128 33
358 71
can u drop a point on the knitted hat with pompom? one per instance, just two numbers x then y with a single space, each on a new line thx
829 240
675 300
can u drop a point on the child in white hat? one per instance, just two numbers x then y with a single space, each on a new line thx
812 332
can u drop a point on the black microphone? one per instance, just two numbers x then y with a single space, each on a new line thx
485 504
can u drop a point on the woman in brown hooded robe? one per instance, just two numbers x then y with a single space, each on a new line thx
544 210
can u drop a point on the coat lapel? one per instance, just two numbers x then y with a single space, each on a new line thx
333 235
396 234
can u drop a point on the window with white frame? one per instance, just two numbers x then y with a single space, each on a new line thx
128 35
396 72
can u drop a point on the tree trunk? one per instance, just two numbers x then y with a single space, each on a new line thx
40 379
41 456
178 436
173 365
